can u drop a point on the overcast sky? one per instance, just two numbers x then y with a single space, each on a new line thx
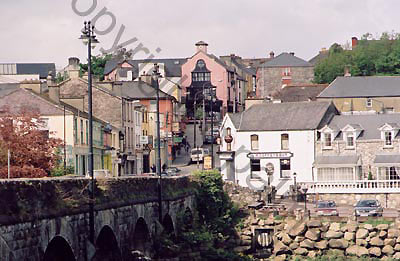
48 31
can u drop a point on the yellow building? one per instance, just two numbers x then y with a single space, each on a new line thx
364 94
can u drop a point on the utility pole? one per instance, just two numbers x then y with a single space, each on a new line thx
158 158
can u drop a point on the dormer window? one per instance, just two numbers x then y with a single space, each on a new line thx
388 139
350 140
327 140
388 132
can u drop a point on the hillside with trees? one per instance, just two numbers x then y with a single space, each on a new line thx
371 56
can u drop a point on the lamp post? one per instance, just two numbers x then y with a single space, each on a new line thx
89 38
305 189
295 185
204 111
195 118
158 159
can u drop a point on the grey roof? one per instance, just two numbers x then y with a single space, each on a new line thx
7 88
334 160
235 118
286 116
363 86
319 57
286 60
387 158
300 92
172 66
42 69
369 124
245 68
138 90
220 62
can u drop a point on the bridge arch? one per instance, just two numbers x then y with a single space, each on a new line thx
168 224
107 246
59 250
141 236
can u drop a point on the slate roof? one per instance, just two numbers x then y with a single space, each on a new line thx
138 90
286 60
235 118
387 158
172 66
300 92
363 86
319 57
334 160
369 124
286 116
7 88
42 69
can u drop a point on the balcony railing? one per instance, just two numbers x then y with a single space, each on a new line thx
357 186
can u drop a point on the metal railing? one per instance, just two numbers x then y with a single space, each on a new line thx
356 186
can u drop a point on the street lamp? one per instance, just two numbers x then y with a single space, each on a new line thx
212 100
269 169
305 189
204 110
195 118
155 76
295 186
89 38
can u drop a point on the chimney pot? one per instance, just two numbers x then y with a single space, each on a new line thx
292 53
271 54
354 41
347 71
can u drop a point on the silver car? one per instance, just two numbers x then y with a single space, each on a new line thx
368 207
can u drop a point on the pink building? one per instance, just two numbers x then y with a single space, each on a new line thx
205 70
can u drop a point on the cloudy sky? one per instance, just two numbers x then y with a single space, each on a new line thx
48 31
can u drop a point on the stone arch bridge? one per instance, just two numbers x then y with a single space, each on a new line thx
48 219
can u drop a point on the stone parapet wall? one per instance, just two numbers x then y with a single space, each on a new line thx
25 200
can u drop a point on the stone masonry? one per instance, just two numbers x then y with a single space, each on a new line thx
271 79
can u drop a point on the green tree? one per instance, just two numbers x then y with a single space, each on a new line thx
370 57
98 65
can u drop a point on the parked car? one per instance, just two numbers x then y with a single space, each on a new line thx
326 208
172 171
197 154
368 207
99 173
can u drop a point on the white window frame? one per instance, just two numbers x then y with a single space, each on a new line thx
385 140
347 136
256 144
325 146
369 103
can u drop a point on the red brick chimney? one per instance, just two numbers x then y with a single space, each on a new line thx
354 41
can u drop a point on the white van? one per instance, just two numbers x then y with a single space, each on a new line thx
197 154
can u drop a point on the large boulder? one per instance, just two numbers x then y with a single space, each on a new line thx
382 234
397 247
362 233
338 243
312 254
389 241
282 257
324 227
286 239
314 223
322 245
396 256
298 230
375 252
388 250
335 227
313 234
355 250
294 245
376 241
298 239
351 227
393 233
301 251
307 243
369 227
280 248
361 242
382 227
349 236
333 234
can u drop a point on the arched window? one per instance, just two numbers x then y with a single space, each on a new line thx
254 142
284 141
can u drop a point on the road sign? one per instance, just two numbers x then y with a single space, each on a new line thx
207 162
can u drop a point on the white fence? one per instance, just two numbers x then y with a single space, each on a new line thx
357 186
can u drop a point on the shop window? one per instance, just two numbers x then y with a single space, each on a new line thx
255 166
285 168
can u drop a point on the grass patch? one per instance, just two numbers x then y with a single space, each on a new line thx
379 221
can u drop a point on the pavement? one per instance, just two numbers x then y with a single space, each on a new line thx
181 160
